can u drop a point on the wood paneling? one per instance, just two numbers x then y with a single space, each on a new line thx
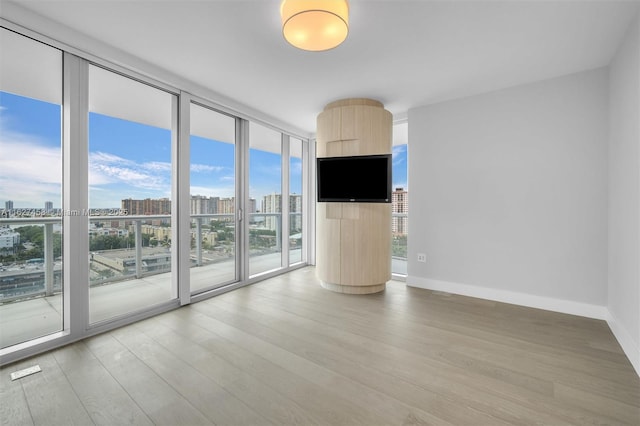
328 128
365 247
332 149
354 239
329 255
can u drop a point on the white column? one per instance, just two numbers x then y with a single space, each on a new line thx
76 195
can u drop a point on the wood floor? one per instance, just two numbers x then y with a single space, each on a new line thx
286 351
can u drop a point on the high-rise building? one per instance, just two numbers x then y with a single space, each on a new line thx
272 203
9 240
159 206
129 205
226 205
399 204
8 205
148 206
204 205
295 206
198 205
48 206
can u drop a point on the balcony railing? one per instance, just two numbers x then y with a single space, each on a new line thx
150 251
38 276
399 222
119 267
147 253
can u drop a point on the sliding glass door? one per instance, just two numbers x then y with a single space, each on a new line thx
296 201
213 204
122 197
399 201
265 199
31 287
131 129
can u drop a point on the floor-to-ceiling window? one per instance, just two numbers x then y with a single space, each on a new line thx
296 209
265 199
212 199
131 127
31 287
399 200
163 197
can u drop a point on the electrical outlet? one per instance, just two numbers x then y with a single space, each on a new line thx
422 257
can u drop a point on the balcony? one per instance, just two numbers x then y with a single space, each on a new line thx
125 279
140 275
399 243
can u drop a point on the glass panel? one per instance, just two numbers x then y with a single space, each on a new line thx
400 210
265 191
130 134
295 201
31 300
212 179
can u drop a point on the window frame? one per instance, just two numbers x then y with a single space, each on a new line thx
75 112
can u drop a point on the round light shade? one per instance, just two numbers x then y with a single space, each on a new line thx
315 24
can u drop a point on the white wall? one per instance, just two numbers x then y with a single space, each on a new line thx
624 195
509 195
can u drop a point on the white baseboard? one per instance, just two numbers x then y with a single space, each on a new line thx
629 346
522 299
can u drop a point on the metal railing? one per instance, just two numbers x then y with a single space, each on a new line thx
133 262
10 286
399 243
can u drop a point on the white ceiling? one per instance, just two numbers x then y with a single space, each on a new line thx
403 53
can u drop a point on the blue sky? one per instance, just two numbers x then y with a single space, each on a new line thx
399 172
126 160
30 152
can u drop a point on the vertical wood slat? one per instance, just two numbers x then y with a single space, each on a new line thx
328 228
354 239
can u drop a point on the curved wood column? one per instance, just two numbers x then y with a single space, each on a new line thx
353 250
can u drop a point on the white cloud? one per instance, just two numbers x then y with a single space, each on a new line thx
205 168
105 157
105 168
157 166
30 171
24 158
398 157
29 194
209 191
399 149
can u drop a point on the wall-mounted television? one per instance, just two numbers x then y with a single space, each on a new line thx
358 179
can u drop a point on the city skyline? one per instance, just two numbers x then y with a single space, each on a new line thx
127 160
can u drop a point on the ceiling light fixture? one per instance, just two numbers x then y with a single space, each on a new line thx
315 25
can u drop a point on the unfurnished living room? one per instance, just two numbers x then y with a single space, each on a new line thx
330 212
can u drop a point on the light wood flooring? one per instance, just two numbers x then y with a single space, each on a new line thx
286 351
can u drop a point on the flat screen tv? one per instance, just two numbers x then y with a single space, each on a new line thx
359 179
